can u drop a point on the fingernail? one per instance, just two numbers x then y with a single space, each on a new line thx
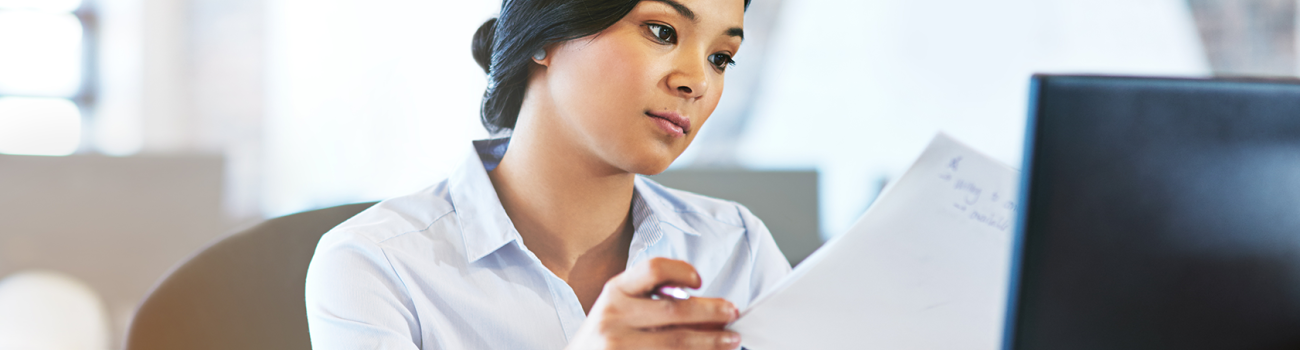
731 339
731 309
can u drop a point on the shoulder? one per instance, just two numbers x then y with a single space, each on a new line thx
394 218
377 246
356 290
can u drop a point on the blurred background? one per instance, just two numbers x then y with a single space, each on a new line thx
134 132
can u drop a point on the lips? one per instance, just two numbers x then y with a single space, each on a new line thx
671 122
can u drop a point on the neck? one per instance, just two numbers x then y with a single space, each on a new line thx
568 205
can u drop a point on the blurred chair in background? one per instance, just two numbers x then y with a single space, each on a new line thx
243 292
51 311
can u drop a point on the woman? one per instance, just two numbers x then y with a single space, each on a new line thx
549 239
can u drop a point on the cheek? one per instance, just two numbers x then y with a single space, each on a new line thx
600 91
600 84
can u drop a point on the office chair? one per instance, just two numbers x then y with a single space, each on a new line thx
244 291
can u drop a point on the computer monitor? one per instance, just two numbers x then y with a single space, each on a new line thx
1159 214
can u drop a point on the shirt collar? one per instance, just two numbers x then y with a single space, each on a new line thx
485 227
663 206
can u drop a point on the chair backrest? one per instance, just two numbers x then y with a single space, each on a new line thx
244 291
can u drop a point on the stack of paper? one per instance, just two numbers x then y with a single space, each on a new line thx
925 267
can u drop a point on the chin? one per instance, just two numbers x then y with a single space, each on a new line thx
650 162
642 154
649 166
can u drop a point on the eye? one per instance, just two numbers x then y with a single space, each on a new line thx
721 61
663 33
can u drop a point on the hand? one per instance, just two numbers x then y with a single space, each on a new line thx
625 317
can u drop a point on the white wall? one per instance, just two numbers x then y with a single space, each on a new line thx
367 99
858 87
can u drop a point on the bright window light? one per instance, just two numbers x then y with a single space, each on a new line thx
39 126
41 53
42 5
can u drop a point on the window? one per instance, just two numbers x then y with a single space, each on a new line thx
42 76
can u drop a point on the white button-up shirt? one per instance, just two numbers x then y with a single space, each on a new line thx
444 268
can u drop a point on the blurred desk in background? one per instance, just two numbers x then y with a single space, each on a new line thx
116 223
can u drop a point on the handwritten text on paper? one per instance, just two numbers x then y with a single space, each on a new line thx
980 203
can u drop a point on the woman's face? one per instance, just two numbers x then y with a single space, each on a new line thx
637 93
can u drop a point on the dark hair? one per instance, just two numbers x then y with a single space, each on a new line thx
504 46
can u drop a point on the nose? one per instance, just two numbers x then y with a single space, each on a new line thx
689 78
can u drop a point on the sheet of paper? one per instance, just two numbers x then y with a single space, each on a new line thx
925 267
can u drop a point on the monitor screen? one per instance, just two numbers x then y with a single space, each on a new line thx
1159 214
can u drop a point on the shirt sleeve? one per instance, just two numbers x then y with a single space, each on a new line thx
355 300
770 265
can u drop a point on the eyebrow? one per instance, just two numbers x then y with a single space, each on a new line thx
681 9
686 12
736 32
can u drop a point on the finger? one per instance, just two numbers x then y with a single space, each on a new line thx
682 338
642 279
648 313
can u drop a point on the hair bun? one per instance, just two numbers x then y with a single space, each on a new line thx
482 45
